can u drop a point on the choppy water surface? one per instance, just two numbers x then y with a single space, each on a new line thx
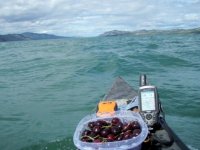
47 86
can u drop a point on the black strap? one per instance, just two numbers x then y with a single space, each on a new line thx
165 126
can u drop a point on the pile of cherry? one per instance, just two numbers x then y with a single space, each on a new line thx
109 131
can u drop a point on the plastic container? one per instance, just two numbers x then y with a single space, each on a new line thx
130 144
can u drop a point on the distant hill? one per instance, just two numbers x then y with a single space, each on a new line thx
146 32
27 36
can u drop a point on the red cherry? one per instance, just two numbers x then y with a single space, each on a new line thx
97 141
115 120
136 132
91 125
105 132
119 125
127 127
120 137
135 125
98 123
110 137
96 129
86 132
115 130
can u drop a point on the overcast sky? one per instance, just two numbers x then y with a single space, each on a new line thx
92 17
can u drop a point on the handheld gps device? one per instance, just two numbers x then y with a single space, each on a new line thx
149 104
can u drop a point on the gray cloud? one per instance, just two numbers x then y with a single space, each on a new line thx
88 18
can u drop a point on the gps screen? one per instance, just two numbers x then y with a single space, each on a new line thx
148 100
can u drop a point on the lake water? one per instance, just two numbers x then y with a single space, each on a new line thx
47 86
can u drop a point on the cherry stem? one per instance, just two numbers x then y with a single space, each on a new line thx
88 137
107 126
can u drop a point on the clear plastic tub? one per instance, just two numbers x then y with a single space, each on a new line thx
126 116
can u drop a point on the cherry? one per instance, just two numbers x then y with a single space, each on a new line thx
115 120
115 130
96 129
110 137
127 135
119 125
102 123
105 132
86 132
127 127
120 137
97 141
91 125
99 123
128 132
136 132
135 125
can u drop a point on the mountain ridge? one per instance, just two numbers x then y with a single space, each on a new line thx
148 32
28 36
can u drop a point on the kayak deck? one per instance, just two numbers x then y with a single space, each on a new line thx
162 137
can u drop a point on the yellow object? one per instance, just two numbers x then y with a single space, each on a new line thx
106 108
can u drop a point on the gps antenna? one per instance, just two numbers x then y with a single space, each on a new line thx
143 80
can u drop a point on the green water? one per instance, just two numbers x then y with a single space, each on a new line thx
47 86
